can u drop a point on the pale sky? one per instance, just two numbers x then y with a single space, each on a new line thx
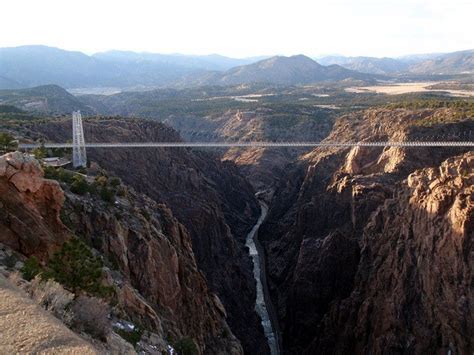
241 28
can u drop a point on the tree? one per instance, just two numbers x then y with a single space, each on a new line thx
40 152
107 194
185 346
79 185
31 268
7 143
75 267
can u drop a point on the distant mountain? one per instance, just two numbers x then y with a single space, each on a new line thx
204 62
297 69
418 58
452 63
47 98
370 65
29 66
6 83
427 64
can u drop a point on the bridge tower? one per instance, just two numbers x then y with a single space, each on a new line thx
79 157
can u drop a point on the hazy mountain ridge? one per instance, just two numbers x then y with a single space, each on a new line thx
461 62
205 62
297 69
29 66
451 63
369 65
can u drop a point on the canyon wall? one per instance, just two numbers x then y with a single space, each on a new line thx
345 242
151 263
209 197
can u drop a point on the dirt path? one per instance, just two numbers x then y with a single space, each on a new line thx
27 328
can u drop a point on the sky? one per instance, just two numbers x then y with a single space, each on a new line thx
242 28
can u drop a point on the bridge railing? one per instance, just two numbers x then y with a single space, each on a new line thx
253 144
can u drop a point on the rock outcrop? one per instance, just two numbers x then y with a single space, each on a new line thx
151 262
29 207
161 288
344 203
413 287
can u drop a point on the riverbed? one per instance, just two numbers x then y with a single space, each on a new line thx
264 311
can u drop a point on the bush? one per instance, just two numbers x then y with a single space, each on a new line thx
77 268
66 219
89 315
52 296
114 182
65 176
94 188
40 152
101 180
107 194
79 185
133 337
50 173
31 268
185 346
7 143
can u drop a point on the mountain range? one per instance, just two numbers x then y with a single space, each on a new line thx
29 66
461 62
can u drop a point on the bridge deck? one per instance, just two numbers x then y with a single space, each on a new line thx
253 144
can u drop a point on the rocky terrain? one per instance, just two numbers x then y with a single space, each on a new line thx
367 250
261 166
209 197
30 208
152 266
358 241
27 328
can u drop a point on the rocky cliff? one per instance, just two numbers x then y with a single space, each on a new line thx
413 286
209 197
161 286
151 263
29 207
352 254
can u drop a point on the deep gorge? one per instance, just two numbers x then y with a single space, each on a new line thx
345 231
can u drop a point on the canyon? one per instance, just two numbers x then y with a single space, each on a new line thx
362 249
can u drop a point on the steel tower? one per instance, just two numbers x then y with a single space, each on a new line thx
79 157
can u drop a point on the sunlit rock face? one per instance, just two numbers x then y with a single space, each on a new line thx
412 290
29 207
362 243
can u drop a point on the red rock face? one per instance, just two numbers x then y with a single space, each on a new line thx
29 207
210 198
159 287
360 262
413 288
162 288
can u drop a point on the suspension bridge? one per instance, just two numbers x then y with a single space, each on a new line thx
79 145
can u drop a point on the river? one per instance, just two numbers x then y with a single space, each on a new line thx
264 311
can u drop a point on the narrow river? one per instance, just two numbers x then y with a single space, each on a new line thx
265 312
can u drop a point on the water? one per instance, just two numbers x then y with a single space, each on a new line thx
260 305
